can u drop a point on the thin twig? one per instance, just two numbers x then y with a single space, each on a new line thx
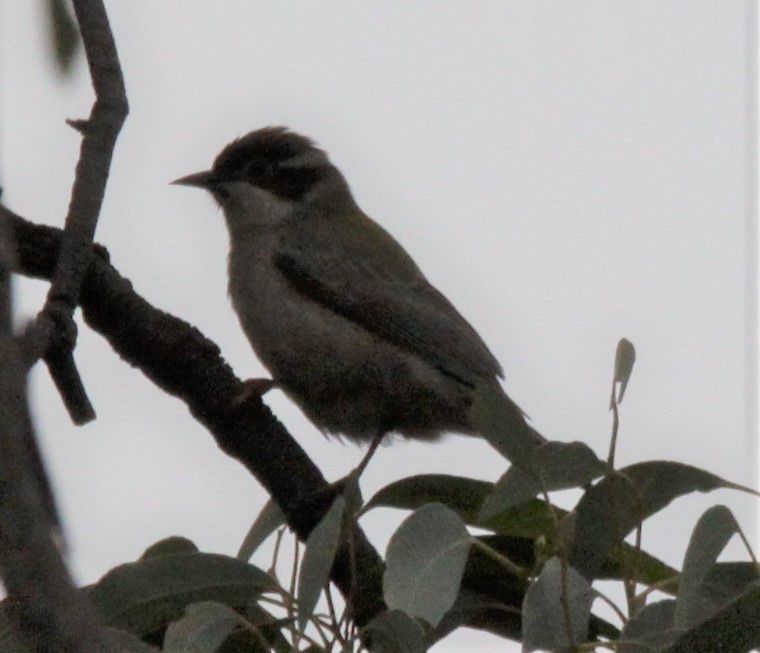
615 427
54 337
336 623
504 561
276 553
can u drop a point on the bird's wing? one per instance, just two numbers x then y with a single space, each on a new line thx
361 273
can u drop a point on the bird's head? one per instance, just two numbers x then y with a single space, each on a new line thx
265 174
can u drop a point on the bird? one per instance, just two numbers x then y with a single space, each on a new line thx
340 314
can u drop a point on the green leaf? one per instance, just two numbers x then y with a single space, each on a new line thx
490 614
142 597
554 466
727 580
269 520
462 495
203 629
321 547
530 519
210 627
352 494
545 621
111 639
733 629
651 628
169 546
625 357
627 561
614 506
394 631
63 34
425 561
709 537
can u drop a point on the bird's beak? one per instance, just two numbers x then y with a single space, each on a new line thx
205 179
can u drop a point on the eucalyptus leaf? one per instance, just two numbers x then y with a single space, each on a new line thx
708 539
394 631
554 466
142 597
547 623
203 629
64 35
462 495
735 628
321 547
614 506
625 357
110 640
651 628
169 546
269 520
425 561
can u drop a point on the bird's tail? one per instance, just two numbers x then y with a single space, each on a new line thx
499 420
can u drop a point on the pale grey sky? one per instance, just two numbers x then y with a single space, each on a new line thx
567 173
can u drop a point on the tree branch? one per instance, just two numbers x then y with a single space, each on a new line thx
181 361
44 607
53 335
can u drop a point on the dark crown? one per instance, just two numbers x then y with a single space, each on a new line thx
258 158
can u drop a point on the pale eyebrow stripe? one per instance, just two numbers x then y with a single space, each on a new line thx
304 160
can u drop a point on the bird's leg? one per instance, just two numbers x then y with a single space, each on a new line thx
348 486
368 456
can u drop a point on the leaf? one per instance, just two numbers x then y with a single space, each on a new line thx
169 546
709 537
321 547
394 631
627 561
728 580
625 357
110 640
63 34
531 519
491 614
555 466
614 506
460 494
425 561
733 629
269 520
203 629
652 627
545 621
352 494
141 597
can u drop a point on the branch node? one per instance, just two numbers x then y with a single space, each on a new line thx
80 125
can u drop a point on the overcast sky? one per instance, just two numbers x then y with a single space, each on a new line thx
567 173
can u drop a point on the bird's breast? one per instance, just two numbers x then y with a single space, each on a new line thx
345 378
